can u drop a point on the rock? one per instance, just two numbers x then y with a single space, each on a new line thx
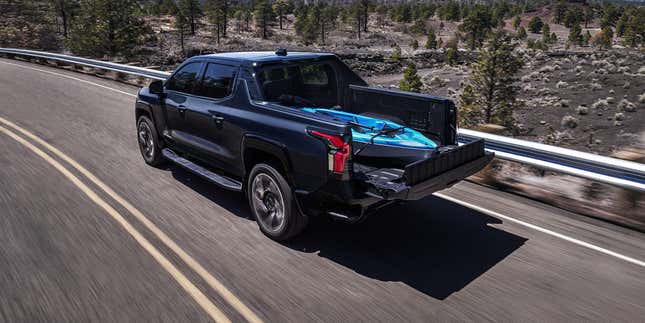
623 69
610 100
625 105
641 98
618 123
569 122
600 104
641 70
598 141
579 69
542 122
619 116
436 81
582 110
627 85
561 85
595 86
564 103
612 91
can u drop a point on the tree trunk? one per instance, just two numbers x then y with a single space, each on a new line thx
63 15
181 39
281 17
365 17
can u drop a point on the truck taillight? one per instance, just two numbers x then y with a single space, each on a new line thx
338 153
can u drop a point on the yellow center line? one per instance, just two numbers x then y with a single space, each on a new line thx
215 284
191 289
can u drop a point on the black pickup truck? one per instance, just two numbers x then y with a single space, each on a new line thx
289 130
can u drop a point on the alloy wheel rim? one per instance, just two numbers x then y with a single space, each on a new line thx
145 140
268 202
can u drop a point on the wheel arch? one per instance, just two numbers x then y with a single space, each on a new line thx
257 149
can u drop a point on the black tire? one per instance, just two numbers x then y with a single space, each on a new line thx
149 144
271 183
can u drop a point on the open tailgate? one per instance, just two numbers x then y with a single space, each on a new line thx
421 178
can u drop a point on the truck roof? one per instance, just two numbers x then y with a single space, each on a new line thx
263 56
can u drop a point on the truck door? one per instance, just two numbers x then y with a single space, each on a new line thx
180 90
213 130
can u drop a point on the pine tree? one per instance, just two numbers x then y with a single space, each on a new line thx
107 27
329 18
621 25
182 24
419 27
65 10
546 34
516 22
575 35
28 24
396 54
477 25
586 38
264 17
452 52
559 12
469 114
635 29
364 9
588 15
217 13
493 80
414 44
606 37
521 33
431 42
282 8
535 25
554 38
192 10
411 80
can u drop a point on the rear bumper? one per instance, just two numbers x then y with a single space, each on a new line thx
436 183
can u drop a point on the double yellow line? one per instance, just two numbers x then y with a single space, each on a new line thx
208 306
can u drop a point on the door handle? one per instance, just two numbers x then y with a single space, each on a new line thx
218 119
182 109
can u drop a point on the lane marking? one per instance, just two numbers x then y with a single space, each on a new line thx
483 210
188 286
543 230
215 284
71 78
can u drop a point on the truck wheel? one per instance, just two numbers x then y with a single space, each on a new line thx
273 204
149 142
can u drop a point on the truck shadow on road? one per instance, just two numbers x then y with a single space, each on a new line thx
433 245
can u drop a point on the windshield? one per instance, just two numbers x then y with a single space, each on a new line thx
301 84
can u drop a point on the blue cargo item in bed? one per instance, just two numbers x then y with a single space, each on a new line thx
404 138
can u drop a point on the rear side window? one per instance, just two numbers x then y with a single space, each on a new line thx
185 80
218 81
315 74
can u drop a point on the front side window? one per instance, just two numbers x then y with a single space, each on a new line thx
218 81
185 80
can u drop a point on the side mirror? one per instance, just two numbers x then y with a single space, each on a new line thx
156 87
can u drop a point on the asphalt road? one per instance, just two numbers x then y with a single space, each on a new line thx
64 256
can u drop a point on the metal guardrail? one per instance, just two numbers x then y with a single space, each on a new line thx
122 68
594 167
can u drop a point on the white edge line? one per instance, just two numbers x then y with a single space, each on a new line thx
443 196
543 230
